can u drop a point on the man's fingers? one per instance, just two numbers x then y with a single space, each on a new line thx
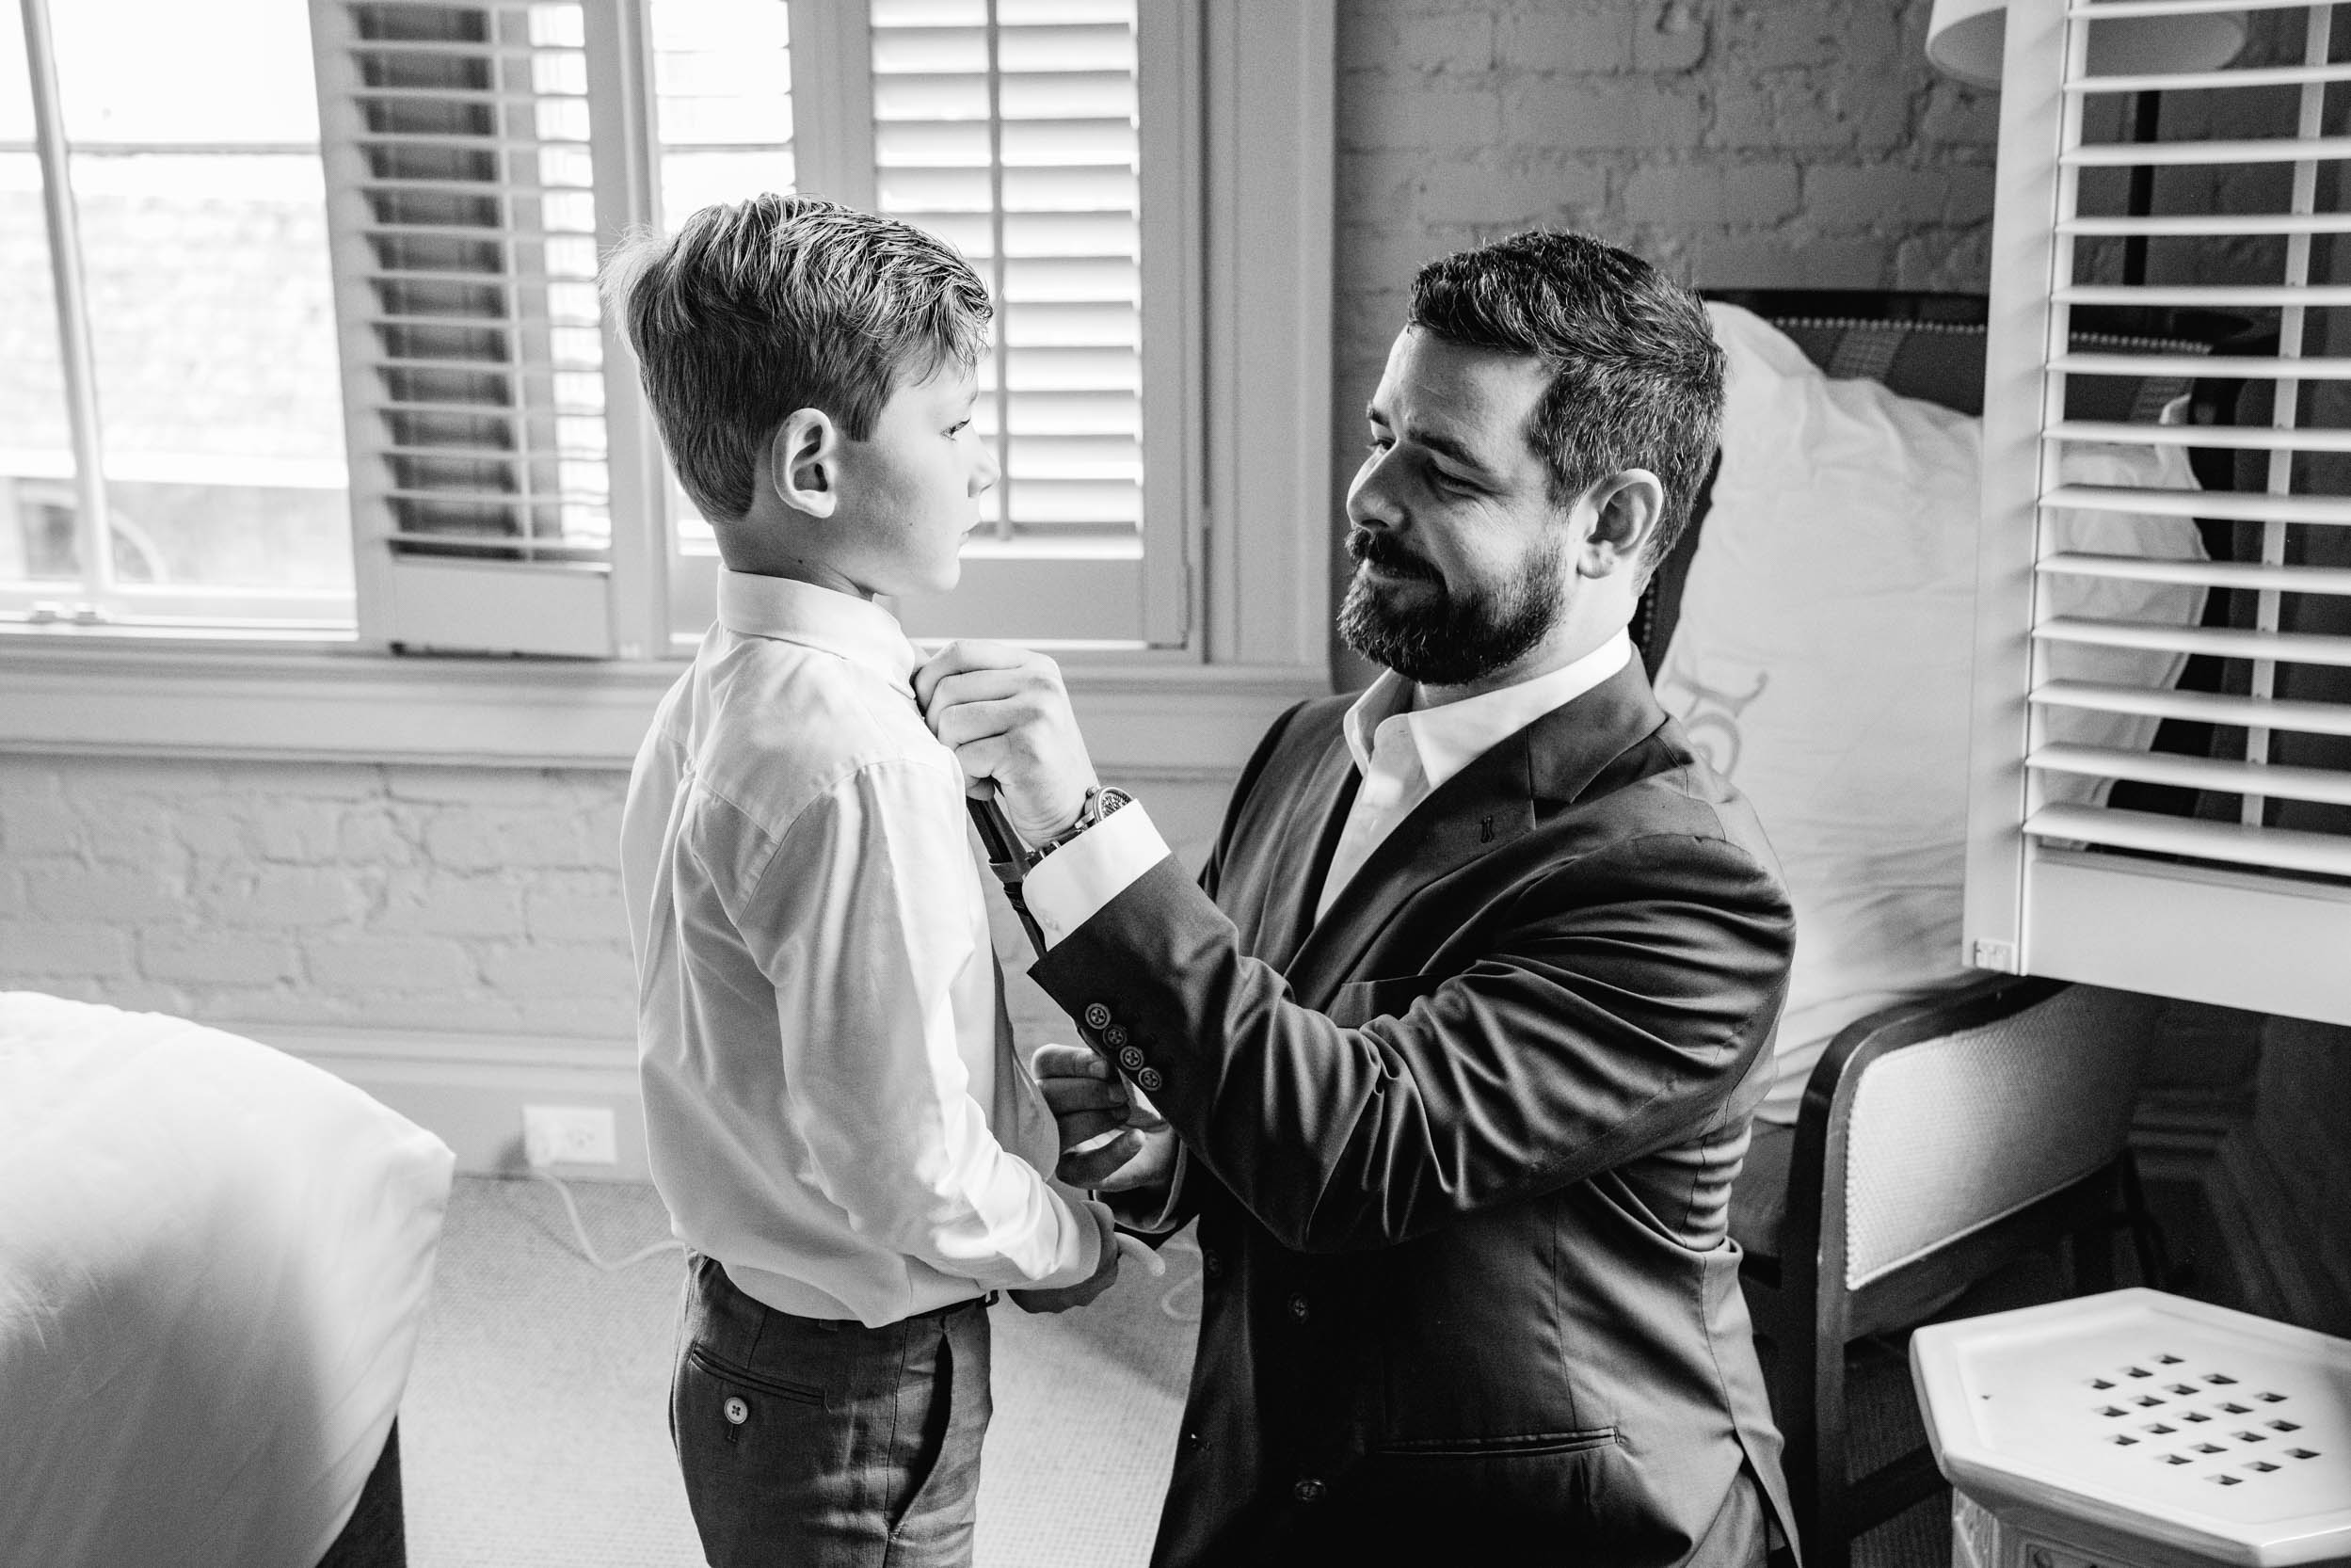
1091 1170
1067 1097
1134 1249
1059 1060
1081 1127
965 657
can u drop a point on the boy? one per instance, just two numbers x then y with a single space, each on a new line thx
834 1113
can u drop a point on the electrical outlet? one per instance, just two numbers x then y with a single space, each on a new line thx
569 1135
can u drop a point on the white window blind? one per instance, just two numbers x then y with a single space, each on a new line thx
2239 891
461 182
1015 129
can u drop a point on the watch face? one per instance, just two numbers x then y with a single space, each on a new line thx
1110 800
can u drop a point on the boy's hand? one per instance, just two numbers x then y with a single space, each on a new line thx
1114 1140
1105 1272
1004 712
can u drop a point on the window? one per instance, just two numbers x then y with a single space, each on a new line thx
173 450
495 483
2224 872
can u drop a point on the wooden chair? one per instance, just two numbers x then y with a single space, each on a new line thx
1938 1142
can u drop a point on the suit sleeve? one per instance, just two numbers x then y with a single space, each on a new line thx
1626 1000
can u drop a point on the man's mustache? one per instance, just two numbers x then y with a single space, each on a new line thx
1382 551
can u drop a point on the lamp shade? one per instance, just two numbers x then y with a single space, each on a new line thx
1964 40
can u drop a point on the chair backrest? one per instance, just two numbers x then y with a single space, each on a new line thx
1949 1134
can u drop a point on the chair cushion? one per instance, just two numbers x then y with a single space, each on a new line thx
1823 653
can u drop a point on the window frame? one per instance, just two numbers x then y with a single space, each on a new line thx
1262 126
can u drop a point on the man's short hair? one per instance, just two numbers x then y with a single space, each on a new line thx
758 308
1636 374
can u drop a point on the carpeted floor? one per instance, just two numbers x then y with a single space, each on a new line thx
535 1430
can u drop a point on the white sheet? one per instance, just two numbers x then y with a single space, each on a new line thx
214 1259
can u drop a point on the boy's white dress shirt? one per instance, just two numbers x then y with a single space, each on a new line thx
832 1107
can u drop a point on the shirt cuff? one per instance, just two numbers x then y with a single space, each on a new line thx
1070 884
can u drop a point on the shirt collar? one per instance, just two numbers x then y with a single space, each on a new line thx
823 619
1451 737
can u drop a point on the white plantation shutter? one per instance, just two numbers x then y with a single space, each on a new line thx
1015 129
462 214
2244 898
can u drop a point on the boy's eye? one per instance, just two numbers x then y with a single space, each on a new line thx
959 427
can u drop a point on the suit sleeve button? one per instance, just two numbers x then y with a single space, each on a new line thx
1114 1036
1096 1016
1194 1441
1213 1262
1298 1309
1308 1490
1148 1080
1132 1059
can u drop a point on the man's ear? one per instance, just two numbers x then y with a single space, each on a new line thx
1626 509
804 462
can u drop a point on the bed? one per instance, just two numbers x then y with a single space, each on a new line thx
214 1262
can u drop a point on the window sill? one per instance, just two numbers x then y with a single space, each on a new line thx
310 701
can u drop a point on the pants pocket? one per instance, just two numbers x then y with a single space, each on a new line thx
724 1371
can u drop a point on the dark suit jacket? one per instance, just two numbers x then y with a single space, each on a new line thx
1461 1150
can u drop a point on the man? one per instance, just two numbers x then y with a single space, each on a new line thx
1451 1043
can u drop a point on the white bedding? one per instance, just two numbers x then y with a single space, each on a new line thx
213 1259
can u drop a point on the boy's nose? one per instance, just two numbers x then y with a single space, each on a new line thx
983 478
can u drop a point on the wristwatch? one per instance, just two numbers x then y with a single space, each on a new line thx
1100 802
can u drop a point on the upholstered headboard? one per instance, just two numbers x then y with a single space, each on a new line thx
1931 346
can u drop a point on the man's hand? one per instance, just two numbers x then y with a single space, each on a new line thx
1105 1273
1004 712
1112 1138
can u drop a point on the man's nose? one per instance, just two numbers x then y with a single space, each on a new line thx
1369 499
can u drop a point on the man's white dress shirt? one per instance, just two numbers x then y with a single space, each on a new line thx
832 1107
1402 753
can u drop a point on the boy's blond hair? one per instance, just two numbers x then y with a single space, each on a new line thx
757 308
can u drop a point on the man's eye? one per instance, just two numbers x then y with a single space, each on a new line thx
1378 444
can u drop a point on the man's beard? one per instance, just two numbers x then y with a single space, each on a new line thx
1448 641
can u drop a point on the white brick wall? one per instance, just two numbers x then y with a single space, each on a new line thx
465 900
448 901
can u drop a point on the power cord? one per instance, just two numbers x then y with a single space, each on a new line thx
587 1248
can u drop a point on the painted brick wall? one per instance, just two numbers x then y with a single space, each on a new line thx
441 899
474 901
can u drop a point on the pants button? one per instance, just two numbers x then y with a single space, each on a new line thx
737 1412
1308 1490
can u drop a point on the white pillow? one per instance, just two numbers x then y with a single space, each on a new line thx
213 1261
1822 658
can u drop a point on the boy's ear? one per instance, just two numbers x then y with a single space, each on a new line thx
804 462
1626 509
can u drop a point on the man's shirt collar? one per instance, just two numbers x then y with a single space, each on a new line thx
823 619
1449 738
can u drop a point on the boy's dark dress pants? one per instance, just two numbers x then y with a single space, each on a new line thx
820 1443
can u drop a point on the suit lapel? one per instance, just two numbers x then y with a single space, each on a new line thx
1315 812
1483 807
